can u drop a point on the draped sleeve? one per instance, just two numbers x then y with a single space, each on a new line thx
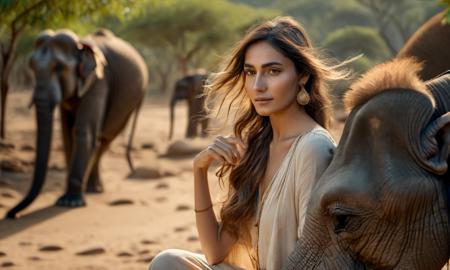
317 149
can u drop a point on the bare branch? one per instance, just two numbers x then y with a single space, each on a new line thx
28 10
193 50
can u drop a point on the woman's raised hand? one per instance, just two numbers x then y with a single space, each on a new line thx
229 149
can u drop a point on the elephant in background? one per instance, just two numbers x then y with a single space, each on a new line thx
97 82
431 44
190 88
383 202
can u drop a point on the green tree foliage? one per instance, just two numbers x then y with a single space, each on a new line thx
397 20
394 20
18 16
190 32
311 14
447 4
353 40
347 16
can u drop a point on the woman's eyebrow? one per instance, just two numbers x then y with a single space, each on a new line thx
274 63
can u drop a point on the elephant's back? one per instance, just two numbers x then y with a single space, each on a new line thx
430 44
127 76
126 65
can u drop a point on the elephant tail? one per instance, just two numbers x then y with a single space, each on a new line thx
130 139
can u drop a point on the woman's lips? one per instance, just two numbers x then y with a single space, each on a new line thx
262 101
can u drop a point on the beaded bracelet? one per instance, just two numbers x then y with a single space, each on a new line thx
203 210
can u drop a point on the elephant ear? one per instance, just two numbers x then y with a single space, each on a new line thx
436 145
90 66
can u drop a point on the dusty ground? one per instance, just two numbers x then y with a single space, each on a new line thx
136 217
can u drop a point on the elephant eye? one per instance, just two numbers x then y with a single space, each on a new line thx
341 223
341 216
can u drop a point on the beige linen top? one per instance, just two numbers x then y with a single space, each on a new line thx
283 207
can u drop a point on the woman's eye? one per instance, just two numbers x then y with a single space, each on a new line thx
274 71
249 72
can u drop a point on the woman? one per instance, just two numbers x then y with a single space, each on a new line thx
279 149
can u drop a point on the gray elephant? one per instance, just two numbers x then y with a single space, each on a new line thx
383 201
430 43
190 88
97 82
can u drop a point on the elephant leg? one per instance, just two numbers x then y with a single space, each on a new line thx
82 150
88 121
195 123
204 123
67 122
191 131
94 183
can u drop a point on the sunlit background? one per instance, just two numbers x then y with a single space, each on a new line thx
148 210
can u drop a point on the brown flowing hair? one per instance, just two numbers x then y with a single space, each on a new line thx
226 90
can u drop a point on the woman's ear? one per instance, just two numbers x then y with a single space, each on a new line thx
90 66
303 80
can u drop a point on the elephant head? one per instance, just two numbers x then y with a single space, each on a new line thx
189 88
64 68
382 202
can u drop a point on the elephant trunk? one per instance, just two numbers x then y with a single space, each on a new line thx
317 250
44 117
308 254
173 101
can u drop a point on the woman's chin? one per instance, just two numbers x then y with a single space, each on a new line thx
262 112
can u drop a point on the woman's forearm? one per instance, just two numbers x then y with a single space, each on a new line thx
215 249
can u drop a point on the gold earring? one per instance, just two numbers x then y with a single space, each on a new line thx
303 97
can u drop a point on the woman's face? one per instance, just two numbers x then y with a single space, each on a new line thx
271 80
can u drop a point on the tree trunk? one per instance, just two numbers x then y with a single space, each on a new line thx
4 95
388 42
164 74
183 65
381 14
8 53
7 62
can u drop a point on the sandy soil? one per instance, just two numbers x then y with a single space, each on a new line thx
137 216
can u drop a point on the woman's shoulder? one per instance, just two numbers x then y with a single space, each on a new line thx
317 142
318 136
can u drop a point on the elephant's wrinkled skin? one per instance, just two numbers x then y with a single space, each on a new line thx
382 202
97 83
190 88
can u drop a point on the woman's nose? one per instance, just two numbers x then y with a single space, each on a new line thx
259 83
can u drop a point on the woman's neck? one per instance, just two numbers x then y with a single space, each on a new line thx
290 123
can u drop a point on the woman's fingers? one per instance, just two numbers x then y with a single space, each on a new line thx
229 148
224 149
215 154
240 146
225 153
